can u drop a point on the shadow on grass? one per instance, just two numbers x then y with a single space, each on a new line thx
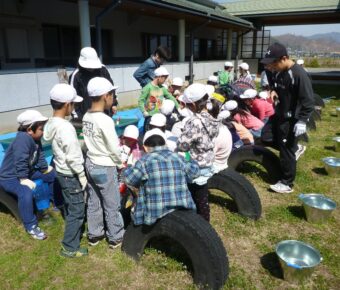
5 210
297 211
271 263
330 148
248 167
320 170
227 203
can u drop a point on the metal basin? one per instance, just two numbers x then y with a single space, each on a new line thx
317 207
297 259
332 165
337 143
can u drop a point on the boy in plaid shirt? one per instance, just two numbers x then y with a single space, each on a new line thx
162 178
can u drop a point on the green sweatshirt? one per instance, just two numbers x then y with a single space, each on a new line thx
223 77
152 97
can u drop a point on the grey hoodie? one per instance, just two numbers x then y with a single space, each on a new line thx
68 157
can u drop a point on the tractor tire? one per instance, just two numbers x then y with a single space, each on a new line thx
241 191
196 238
258 154
10 203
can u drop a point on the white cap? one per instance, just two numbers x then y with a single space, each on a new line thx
249 94
154 132
228 64
89 59
213 79
223 115
99 86
194 93
158 120
131 131
244 66
161 71
210 90
230 105
167 107
177 82
64 93
29 117
263 95
300 61
185 112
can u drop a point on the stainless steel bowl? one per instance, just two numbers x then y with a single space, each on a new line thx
337 143
297 259
332 165
317 207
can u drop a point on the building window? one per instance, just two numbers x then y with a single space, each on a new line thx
152 41
204 49
61 45
262 43
221 45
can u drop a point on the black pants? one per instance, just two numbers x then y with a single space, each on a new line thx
200 195
287 145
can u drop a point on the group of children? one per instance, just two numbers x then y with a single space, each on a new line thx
189 134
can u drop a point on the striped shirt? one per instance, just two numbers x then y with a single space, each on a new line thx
162 178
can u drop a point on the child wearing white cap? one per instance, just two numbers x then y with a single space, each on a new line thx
69 163
245 80
129 145
161 177
225 76
153 94
197 138
176 87
102 160
24 162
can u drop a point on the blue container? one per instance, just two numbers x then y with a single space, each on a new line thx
41 195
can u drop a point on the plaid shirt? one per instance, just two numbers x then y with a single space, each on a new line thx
162 178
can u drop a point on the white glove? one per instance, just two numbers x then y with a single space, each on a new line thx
300 128
82 180
28 182
49 169
145 114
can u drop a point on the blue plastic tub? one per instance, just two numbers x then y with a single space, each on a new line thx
41 195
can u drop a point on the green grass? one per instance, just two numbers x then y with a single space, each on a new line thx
30 264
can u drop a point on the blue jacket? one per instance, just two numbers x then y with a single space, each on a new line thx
145 73
22 158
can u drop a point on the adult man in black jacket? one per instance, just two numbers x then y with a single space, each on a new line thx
296 104
89 66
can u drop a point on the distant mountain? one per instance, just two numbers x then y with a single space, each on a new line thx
332 36
307 44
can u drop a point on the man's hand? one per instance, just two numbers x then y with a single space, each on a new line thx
300 128
273 95
28 182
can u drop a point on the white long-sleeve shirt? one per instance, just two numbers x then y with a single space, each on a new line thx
68 157
101 139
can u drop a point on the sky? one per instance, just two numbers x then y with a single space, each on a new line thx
304 30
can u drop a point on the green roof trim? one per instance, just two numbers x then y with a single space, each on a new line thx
253 7
209 9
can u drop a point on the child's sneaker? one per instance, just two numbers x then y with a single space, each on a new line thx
37 233
95 240
81 252
114 245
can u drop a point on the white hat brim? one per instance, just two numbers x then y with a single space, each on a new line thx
77 99
90 63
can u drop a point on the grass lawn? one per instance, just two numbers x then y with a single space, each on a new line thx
29 264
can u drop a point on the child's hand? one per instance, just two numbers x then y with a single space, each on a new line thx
48 170
28 182
82 180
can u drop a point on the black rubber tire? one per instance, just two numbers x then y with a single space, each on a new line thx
318 101
241 191
10 203
195 235
258 154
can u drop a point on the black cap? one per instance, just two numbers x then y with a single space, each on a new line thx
274 52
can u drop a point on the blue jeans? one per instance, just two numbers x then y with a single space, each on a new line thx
74 212
103 205
25 196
